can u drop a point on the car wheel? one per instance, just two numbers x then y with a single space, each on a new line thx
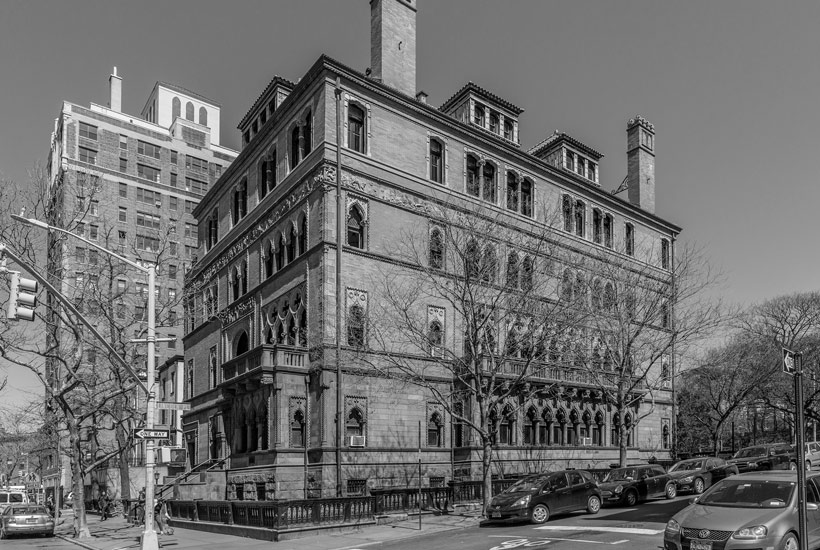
808 465
699 486
593 504
631 498
671 490
792 465
789 542
540 513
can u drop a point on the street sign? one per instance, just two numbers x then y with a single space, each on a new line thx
173 406
152 434
791 362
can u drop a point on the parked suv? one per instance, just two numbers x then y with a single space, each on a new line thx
539 496
772 456
812 455
635 483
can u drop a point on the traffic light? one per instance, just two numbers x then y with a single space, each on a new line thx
22 297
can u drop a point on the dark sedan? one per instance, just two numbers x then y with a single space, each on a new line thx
630 485
772 456
26 519
698 474
537 497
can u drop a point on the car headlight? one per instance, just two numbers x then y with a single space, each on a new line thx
618 490
687 479
672 527
751 533
753 465
522 502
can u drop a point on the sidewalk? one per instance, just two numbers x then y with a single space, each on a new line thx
116 534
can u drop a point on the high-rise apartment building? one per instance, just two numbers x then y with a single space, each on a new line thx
129 183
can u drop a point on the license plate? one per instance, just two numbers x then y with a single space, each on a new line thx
496 515
700 545
31 520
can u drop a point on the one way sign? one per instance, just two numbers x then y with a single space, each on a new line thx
792 362
152 434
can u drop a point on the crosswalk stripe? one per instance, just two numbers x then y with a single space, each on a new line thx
624 530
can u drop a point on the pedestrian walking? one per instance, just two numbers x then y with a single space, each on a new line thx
104 504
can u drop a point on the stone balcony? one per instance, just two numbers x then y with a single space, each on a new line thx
260 364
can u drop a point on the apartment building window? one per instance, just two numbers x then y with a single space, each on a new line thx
174 157
148 149
123 142
172 248
123 165
87 155
356 128
508 130
495 123
149 244
173 179
146 196
173 203
436 161
665 256
478 115
629 239
93 232
123 190
189 207
79 255
190 230
123 215
88 131
93 257
147 172
196 186
149 221
120 286
79 204
196 164
121 238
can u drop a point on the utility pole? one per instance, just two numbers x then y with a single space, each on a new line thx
793 365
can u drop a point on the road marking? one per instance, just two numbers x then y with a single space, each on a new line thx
624 530
527 543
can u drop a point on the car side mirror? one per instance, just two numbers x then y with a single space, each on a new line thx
812 506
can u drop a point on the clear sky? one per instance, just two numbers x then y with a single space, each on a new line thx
732 88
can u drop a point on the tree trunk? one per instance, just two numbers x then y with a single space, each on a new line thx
486 462
81 530
125 449
622 449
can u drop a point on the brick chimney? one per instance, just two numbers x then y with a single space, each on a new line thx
115 92
640 163
393 43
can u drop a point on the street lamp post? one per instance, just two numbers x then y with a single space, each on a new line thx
149 535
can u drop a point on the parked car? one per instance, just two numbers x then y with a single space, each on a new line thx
698 474
540 496
772 456
812 455
751 510
633 484
26 519
12 496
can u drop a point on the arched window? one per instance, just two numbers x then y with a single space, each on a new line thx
566 208
189 111
302 340
472 260
512 270
355 228
203 116
240 201
264 178
489 182
303 235
236 284
292 244
597 226
512 191
544 428
434 425
580 291
291 331
297 429
513 340
269 337
294 147
530 426
527 269
280 253
436 249
508 130
597 295
478 115
665 437
436 161
355 423
489 266
580 218
435 337
176 108
506 427
356 129
629 239
598 430
307 135
526 197
608 302
495 123
567 283
473 184
356 326
608 230
242 344
244 277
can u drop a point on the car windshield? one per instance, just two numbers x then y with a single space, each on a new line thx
754 493
687 465
527 484
751 451
622 474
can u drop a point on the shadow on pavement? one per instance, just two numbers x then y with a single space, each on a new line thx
658 511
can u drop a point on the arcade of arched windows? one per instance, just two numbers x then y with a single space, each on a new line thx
300 142
283 246
519 193
285 321
480 177
249 423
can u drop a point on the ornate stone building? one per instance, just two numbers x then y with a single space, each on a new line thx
261 313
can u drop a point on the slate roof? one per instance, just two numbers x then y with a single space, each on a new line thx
473 87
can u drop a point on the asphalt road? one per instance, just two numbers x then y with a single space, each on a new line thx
21 543
638 528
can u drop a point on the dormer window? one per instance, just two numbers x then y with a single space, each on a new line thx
495 124
508 130
570 161
478 115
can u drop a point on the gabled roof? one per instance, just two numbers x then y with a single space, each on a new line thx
561 136
277 81
479 91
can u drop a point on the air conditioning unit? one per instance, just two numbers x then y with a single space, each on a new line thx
586 441
356 441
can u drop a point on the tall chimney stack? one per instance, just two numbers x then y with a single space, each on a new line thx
393 43
115 92
640 163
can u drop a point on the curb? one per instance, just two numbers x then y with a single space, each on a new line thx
76 541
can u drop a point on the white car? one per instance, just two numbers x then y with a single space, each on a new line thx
812 455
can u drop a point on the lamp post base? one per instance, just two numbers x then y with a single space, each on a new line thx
149 540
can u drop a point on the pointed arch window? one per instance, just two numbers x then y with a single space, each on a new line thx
629 239
270 253
544 428
242 344
203 116
436 249
566 209
526 197
434 430
303 235
580 218
435 337
530 427
608 224
473 183
236 284
307 134
597 226
436 161
292 244
355 228
356 128
240 201
472 260
512 191
489 266
356 326
512 270
297 429
527 269
302 339
294 147
244 275
280 253
355 424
